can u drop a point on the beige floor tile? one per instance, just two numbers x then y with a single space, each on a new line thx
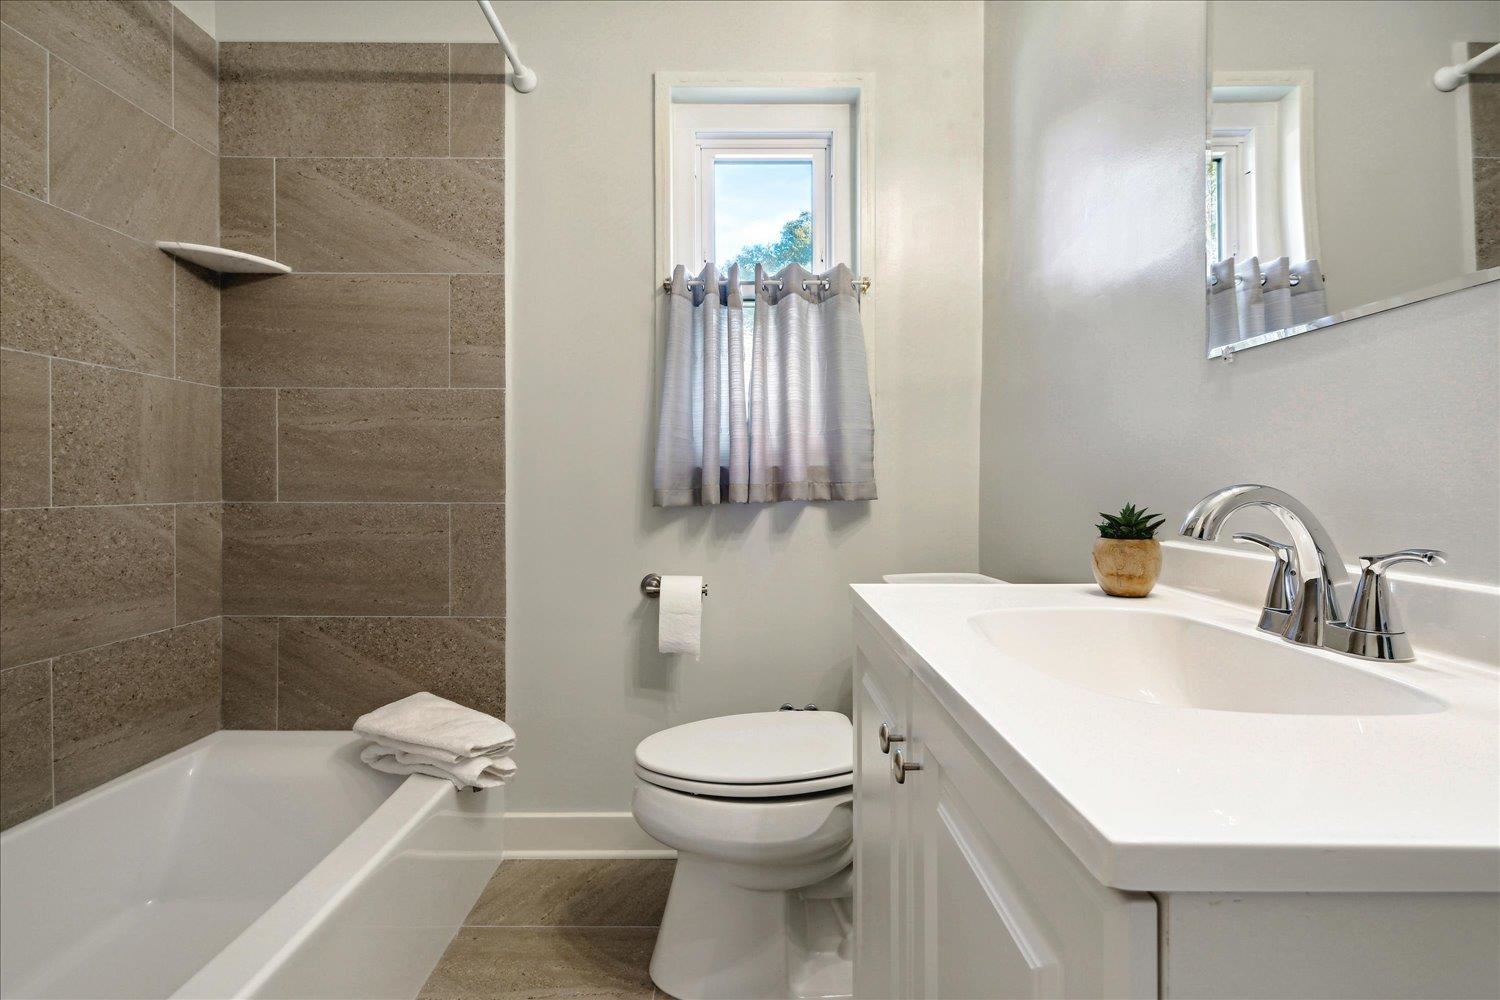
530 963
613 893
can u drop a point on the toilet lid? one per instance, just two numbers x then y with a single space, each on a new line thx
760 748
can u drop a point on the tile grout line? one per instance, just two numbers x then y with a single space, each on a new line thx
450 559
172 68
276 675
251 503
275 447
450 100
275 255
174 562
142 503
137 371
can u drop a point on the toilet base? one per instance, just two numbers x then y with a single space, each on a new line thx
719 941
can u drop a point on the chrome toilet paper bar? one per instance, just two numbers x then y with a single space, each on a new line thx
651 585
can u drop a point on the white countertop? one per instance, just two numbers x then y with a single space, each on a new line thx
1157 798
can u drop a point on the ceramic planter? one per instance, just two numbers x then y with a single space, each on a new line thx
1127 567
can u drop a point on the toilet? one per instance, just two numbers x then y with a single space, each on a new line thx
760 811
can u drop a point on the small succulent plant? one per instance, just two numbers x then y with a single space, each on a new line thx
1129 523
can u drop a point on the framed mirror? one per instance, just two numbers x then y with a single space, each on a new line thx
1341 179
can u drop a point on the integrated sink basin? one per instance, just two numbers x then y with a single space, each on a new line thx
1171 659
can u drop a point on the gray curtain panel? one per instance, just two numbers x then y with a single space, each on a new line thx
782 415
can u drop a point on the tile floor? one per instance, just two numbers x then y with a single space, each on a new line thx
546 930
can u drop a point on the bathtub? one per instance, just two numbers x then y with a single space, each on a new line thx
247 864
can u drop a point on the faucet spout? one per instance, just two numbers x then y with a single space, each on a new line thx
1320 568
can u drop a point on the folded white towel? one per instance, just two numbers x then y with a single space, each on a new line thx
473 772
437 728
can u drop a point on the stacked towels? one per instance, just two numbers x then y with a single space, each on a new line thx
425 734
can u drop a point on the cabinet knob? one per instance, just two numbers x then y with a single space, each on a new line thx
899 766
887 737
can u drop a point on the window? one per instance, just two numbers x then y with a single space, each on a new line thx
1229 231
765 184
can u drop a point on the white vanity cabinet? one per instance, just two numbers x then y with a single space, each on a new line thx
960 889
964 889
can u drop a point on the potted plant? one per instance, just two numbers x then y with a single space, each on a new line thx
1127 556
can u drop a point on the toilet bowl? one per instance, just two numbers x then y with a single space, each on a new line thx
760 812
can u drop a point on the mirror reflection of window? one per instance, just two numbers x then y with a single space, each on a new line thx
1333 162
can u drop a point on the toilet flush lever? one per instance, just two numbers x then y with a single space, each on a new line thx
887 737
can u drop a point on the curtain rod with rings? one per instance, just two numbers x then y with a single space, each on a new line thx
863 284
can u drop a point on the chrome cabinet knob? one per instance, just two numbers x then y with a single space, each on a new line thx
899 766
887 737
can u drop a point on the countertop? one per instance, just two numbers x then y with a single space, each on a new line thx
1164 799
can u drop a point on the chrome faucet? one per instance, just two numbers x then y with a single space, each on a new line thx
1303 603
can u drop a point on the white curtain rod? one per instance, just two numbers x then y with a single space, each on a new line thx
1449 77
522 77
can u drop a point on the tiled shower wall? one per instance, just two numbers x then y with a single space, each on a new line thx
109 409
1484 121
363 456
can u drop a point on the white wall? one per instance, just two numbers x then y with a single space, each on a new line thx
1095 387
1390 179
585 683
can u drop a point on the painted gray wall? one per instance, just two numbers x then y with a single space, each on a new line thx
1095 387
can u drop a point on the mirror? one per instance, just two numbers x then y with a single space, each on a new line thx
1340 180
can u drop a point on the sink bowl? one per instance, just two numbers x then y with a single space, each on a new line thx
1171 659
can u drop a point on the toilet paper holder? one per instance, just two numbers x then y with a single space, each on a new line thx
651 585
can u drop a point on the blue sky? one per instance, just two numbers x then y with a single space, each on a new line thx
753 200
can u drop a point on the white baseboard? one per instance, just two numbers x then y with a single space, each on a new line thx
579 835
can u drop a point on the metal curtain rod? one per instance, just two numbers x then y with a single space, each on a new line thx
863 284
1449 77
522 77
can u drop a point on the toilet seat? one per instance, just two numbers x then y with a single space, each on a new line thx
755 755
724 790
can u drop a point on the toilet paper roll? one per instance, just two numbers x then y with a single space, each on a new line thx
680 628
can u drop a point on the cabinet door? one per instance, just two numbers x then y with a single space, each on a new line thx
999 907
879 697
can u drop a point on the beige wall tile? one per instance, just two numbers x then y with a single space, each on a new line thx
391 444
389 215
124 44
335 559
478 541
1487 212
478 100
332 670
249 444
478 329
196 323
249 695
23 114
246 201
118 706
77 577
536 892
112 163
195 81
336 330
199 544
25 742
73 289
122 437
24 447
349 99
484 963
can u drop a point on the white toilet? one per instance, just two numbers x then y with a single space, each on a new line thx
760 812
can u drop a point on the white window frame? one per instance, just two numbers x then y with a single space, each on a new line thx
703 134
1236 208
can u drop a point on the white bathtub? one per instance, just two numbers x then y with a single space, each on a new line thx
247 864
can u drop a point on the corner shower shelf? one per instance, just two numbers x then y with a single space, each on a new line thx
223 260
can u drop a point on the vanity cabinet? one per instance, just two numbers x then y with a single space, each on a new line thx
960 889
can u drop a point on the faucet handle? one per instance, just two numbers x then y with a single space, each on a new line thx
1374 607
1282 590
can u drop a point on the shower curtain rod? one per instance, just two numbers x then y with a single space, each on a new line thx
523 78
1449 77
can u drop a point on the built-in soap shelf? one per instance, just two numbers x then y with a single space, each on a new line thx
222 259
